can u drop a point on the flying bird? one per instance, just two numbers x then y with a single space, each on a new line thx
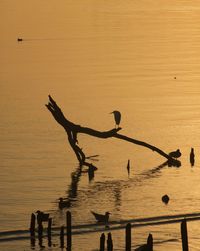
176 154
117 117
101 217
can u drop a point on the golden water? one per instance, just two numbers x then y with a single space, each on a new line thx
93 57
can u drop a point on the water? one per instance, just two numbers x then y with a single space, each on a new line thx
93 57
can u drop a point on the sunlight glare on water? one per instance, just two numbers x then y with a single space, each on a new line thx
139 57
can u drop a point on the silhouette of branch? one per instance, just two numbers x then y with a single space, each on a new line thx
72 131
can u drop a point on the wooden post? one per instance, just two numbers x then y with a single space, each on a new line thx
49 231
150 242
32 230
128 237
102 242
109 242
62 237
69 231
40 234
184 235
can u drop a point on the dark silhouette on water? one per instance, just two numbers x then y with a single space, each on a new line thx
41 217
19 40
101 217
128 167
117 117
192 160
165 199
73 130
63 203
175 154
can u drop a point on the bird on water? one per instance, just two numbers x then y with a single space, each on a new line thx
165 199
101 217
117 117
175 154
41 216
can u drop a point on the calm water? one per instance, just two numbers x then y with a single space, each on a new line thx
93 57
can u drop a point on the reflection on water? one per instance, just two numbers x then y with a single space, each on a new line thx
139 57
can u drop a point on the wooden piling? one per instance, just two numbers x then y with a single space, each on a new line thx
184 235
49 231
150 242
102 242
109 242
128 237
69 230
62 237
32 225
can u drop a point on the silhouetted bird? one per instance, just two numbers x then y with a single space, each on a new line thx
101 217
19 39
117 116
41 217
128 167
192 157
176 154
165 199
63 203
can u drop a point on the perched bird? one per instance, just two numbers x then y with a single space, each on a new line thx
192 157
63 203
165 199
41 217
176 154
101 217
117 116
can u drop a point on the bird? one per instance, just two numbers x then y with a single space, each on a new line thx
63 203
165 199
101 217
117 117
19 39
41 216
175 154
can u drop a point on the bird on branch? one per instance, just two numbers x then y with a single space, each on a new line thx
117 117
176 154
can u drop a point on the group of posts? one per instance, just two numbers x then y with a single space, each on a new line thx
39 229
103 247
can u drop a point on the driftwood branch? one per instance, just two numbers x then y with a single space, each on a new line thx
72 131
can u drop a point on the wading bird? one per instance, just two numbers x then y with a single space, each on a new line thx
117 116
176 154
101 217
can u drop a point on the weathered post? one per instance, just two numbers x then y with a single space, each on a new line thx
62 237
40 233
128 237
150 242
49 231
184 235
109 242
69 231
32 230
102 242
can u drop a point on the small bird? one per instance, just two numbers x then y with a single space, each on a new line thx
41 217
101 217
165 199
63 203
176 154
117 117
19 39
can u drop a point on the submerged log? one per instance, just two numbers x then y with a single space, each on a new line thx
72 131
